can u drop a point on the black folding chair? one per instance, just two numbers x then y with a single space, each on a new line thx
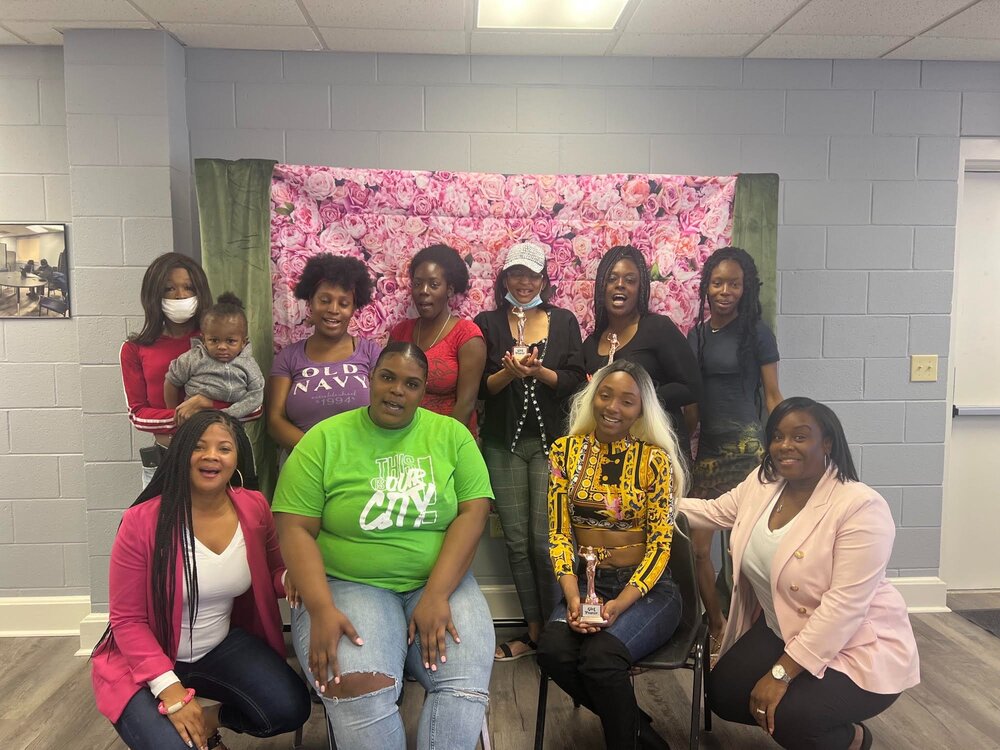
687 648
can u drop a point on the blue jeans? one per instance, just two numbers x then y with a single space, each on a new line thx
595 668
260 695
457 693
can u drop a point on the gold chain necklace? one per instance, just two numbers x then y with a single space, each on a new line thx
420 330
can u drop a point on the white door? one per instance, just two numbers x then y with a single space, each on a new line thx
970 546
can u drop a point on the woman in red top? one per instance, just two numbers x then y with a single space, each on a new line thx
174 290
454 346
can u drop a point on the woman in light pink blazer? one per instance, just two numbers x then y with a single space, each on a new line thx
225 641
817 640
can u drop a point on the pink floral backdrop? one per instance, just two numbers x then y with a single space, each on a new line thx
383 217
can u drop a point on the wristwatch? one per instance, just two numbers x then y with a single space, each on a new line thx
778 672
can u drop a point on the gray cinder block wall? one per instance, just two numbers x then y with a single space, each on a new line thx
867 151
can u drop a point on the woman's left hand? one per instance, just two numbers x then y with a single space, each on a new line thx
431 620
611 610
190 407
764 700
292 592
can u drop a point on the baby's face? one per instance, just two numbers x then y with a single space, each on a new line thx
224 337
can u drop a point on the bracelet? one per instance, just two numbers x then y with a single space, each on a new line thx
168 710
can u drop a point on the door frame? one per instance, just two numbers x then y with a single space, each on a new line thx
975 155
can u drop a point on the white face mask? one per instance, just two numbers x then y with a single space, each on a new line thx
180 310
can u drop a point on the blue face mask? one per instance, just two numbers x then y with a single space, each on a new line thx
525 305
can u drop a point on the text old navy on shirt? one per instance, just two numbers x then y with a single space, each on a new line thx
316 378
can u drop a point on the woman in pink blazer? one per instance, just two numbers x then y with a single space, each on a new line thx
817 640
191 531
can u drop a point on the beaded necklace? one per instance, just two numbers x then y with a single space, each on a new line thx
531 398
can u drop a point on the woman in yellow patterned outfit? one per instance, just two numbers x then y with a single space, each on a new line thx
612 484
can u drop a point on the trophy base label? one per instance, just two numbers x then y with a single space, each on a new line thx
520 352
590 614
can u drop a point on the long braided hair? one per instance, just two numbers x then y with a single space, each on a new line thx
748 312
611 257
174 526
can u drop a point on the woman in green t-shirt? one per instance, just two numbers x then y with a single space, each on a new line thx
379 512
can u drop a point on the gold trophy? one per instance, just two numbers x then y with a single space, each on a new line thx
590 607
520 350
613 341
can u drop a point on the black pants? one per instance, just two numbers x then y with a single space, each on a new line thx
815 713
594 671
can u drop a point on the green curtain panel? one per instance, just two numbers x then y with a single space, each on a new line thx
235 215
755 229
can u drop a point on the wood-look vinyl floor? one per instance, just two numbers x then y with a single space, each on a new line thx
46 702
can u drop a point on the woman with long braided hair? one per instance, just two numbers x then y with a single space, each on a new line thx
738 357
194 581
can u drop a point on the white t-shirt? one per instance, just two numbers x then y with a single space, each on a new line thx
757 560
221 578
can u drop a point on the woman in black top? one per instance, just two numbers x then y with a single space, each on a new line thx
525 397
625 325
738 358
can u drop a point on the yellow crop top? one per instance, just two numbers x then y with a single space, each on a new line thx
624 486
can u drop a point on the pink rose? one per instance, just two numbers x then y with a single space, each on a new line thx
367 322
621 212
357 195
330 212
306 218
319 185
492 186
335 239
422 205
635 192
355 225
290 236
281 193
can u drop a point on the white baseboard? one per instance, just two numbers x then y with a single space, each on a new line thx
34 616
71 615
923 594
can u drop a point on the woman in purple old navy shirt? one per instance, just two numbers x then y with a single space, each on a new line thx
326 373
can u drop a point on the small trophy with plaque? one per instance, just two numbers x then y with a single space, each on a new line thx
520 350
612 346
590 607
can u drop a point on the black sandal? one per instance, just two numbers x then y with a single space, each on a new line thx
508 653
866 737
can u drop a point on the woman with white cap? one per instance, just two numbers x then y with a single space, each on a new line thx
532 367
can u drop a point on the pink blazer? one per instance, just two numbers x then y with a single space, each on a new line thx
119 671
833 603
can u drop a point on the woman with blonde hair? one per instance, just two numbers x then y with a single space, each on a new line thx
613 482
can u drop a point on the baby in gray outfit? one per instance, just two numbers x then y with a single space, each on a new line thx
220 364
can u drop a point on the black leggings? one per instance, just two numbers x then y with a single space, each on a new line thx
815 713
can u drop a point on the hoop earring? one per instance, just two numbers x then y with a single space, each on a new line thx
240 485
826 460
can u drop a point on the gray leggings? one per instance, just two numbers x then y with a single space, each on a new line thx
521 483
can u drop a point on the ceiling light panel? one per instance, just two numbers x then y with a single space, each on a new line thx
576 15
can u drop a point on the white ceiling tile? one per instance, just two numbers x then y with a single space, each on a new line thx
981 21
710 16
72 10
50 32
7 38
869 17
247 12
944 48
540 43
686 45
840 47
395 40
388 14
245 37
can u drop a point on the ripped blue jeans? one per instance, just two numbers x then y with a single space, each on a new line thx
457 693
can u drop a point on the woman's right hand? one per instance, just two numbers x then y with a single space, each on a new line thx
326 628
190 407
189 721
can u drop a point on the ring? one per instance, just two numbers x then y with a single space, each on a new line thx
761 711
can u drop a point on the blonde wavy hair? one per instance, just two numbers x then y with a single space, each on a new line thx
652 426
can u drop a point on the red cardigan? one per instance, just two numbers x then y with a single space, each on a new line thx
144 368
120 670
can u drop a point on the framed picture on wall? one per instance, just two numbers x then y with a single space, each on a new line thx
34 279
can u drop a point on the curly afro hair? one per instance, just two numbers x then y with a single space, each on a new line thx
456 272
345 272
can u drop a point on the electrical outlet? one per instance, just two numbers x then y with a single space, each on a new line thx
496 530
923 368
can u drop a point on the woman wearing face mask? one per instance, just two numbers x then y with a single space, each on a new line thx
453 345
626 329
525 394
174 289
